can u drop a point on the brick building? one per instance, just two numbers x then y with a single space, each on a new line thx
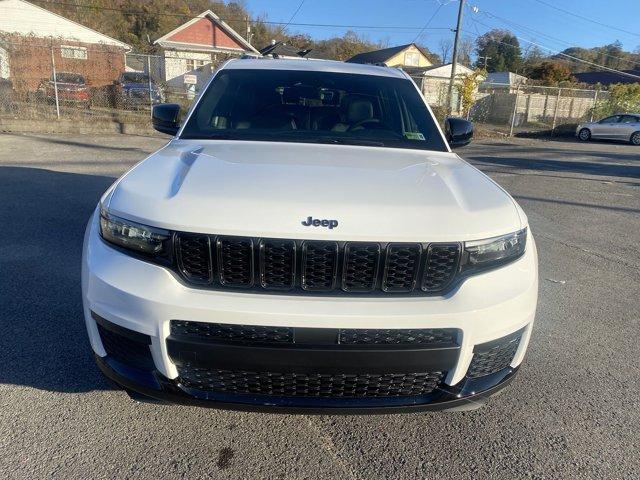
196 47
33 40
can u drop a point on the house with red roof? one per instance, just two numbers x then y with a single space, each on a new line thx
192 51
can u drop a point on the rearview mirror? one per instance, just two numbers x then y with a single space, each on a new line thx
458 131
164 118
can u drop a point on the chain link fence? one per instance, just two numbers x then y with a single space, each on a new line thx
45 80
518 109
533 109
54 80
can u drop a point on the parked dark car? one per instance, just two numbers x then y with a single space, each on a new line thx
73 88
133 90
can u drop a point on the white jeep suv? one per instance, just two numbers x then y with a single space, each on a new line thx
307 241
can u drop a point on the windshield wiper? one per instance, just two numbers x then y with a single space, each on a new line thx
348 141
274 137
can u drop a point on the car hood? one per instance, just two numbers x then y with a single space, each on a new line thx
267 189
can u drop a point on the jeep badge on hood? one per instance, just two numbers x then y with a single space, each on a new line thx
320 223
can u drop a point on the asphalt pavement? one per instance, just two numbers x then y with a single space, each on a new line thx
572 412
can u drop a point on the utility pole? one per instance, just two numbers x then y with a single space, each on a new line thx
454 60
486 59
248 28
55 80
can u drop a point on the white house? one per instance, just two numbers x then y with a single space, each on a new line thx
196 47
434 82
503 81
31 35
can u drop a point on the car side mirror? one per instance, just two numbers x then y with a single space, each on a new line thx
458 131
164 118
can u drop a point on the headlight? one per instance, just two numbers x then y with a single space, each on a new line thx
134 236
494 251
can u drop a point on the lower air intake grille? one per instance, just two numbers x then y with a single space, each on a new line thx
494 356
230 333
254 334
422 336
309 384
125 350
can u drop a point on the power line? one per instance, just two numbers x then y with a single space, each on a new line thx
292 16
182 15
587 18
523 27
577 59
427 24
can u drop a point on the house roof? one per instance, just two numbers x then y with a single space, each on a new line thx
166 42
24 18
381 56
607 78
505 78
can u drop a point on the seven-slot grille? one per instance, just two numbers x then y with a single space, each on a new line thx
318 267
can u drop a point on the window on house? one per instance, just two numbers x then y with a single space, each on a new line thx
195 64
78 53
412 59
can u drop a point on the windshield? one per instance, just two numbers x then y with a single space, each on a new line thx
69 78
322 107
135 77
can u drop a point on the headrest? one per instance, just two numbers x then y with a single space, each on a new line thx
359 110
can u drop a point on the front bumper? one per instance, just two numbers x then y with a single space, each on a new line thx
143 298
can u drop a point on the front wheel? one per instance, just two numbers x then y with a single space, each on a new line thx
584 134
635 138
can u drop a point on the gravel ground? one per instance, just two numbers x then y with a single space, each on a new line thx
572 412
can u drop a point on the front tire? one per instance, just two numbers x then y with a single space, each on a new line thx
635 138
584 135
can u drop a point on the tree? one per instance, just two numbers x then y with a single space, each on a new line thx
434 58
445 47
533 55
551 73
465 49
467 87
623 97
503 50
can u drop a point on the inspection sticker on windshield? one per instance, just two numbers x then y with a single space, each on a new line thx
413 135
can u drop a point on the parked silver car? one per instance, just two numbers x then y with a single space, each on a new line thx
623 126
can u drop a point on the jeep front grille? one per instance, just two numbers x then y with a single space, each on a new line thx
316 267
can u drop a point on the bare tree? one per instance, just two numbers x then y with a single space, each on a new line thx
464 52
445 48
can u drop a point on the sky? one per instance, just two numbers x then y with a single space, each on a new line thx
531 20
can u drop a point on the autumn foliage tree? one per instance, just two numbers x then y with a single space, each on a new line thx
467 86
551 73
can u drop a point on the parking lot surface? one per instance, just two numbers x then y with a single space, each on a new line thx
573 411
